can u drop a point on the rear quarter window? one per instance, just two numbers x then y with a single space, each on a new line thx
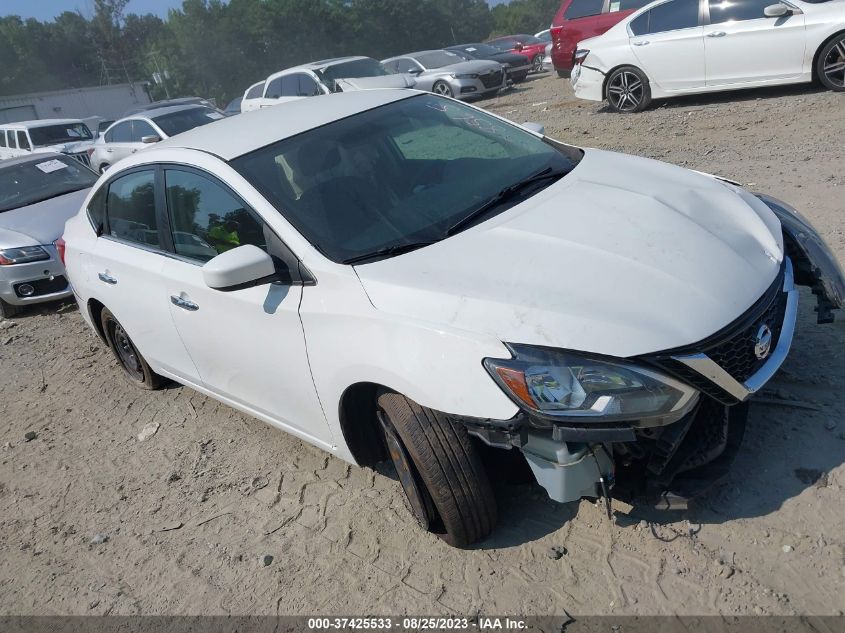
582 9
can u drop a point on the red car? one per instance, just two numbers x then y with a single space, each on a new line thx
528 45
578 20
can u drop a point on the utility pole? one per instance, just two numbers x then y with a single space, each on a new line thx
159 76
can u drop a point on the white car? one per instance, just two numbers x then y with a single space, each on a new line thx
677 47
342 74
398 268
46 136
138 131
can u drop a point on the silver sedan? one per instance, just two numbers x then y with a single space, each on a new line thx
445 73
38 194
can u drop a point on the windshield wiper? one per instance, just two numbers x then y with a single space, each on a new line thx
396 249
503 195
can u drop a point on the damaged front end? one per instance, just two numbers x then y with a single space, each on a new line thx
662 427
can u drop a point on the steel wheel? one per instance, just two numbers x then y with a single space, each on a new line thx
628 90
126 352
442 88
131 361
833 65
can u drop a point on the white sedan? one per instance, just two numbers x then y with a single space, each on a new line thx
677 47
390 269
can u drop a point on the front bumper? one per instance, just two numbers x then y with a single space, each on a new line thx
489 83
588 83
45 277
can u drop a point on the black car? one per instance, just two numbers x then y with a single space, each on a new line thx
516 65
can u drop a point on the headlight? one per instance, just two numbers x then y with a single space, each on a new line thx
22 255
557 384
467 76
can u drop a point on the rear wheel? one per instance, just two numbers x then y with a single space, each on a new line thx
564 74
439 469
442 88
830 67
7 310
133 364
628 90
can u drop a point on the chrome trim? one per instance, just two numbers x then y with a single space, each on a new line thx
704 365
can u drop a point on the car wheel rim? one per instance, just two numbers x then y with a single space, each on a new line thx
834 64
126 353
442 89
625 91
538 63
417 497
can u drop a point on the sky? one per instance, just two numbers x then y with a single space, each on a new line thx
48 9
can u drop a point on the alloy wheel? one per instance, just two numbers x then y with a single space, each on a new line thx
834 64
442 89
537 65
625 91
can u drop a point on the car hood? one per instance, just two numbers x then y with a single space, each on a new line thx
474 66
385 81
623 256
39 223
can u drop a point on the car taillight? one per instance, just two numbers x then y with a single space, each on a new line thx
580 55
60 249
556 31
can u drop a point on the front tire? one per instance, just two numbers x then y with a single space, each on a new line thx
439 469
8 310
134 366
830 65
442 88
537 64
628 90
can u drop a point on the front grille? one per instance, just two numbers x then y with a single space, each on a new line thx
492 80
42 286
82 157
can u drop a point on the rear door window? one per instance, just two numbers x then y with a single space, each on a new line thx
2 138
670 16
627 5
131 210
256 91
582 9
120 133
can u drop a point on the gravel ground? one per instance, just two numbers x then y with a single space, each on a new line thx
95 521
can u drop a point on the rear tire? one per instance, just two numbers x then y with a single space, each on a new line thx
134 366
627 90
8 310
445 481
830 65
564 74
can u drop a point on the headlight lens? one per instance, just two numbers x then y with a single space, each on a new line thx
22 255
467 76
558 384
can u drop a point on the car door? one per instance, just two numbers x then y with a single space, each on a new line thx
118 142
742 45
248 344
668 44
126 264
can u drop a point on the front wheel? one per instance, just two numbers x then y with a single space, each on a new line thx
537 63
133 364
439 469
628 90
442 88
830 67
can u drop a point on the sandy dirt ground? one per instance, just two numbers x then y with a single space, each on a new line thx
94 521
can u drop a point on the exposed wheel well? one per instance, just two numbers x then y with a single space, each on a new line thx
359 423
95 309
818 52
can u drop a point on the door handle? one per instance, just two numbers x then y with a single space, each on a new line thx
190 306
717 34
109 150
107 278
642 43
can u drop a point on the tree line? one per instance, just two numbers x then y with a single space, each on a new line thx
215 49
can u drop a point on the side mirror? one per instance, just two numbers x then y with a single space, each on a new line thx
415 71
777 10
535 127
152 138
518 47
239 268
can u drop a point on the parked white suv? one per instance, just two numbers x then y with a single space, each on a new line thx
397 269
46 136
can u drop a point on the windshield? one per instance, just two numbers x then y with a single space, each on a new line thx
22 184
352 70
57 134
402 173
437 59
184 120
479 50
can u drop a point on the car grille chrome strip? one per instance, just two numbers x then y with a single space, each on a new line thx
707 367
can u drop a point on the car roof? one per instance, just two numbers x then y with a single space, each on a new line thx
38 157
151 114
41 123
318 65
235 136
